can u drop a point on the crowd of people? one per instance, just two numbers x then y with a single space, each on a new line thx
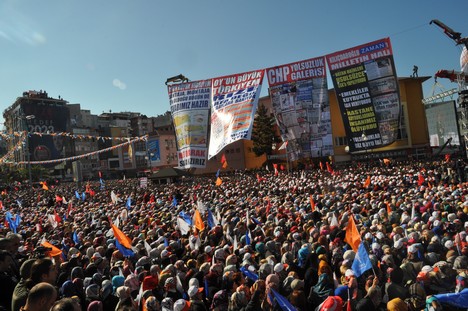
251 241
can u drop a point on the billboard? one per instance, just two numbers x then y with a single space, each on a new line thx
154 153
50 120
366 87
299 96
190 104
442 123
233 106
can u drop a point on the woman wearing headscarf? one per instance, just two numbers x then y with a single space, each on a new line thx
324 287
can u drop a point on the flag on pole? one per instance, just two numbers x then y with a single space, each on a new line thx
121 237
44 185
217 172
198 221
77 195
352 237
312 203
275 167
224 161
187 218
329 168
183 226
283 303
420 179
212 221
361 262
126 252
55 250
248 240
368 182
218 182
129 203
58 198
283 146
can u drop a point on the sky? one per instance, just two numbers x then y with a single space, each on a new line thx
116 55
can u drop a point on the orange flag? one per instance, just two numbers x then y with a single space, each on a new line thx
321 166
420 179
367 183
54 252
386 161
329 168
389 208
352 237
44 185
219 181
121 237
198 221
224 161
312 203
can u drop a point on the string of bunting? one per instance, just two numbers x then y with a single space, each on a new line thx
64 134
10 152
85 155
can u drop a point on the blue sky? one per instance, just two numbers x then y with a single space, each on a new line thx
116 55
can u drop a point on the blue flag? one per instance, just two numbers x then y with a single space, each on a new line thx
76 239
217 173
129 202
166 243
174 202
211 222
459 300
11 222
207 290
256 221
249 274
186 217
125 251
83 196
248 240
103 185
283 303
361 261
77 195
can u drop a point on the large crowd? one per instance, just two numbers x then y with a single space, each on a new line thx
252 241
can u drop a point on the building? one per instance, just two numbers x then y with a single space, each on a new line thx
47 121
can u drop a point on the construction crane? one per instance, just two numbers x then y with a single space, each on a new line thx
461 77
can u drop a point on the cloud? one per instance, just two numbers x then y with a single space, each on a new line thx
119 84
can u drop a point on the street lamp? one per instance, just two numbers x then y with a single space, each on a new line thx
23 119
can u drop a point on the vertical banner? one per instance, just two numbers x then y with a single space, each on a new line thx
154 153
233 106
367 90
48 120
299 96
190 104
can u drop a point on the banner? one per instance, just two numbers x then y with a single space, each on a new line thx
154 153
442 123
233 106
366 87
48 119
299 96
190 104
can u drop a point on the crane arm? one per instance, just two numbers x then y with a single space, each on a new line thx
452 34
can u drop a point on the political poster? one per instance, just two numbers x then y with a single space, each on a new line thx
154 153
48 120
442 123
190 104
367 90
299 96
233 106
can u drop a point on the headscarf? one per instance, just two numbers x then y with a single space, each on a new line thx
272 281
95 306
68 289
117 281
92 292
397 304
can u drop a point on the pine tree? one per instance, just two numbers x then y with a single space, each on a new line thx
263 133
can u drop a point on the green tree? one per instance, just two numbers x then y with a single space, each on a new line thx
263 132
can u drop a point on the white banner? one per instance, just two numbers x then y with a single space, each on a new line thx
233 106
